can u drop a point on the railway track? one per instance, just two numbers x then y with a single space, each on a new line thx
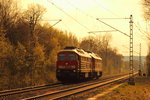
9 93
76 89
45 91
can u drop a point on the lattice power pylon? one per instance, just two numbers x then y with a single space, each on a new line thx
131 68
131 72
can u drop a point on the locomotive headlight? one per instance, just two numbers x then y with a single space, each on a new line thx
61 66
73 67
74 70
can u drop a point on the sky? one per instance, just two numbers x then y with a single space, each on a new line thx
79 17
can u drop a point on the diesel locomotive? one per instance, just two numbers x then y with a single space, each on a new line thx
74 64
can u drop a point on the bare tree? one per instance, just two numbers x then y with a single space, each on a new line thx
34 14
105 41
146 8
89 43
146 4
8 16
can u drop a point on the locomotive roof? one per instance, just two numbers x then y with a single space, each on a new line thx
81 52
95 56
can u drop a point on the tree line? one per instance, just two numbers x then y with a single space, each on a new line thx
146 10
28 49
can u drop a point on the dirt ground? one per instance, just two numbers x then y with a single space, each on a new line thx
139 91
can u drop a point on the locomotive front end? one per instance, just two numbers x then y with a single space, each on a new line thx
67 66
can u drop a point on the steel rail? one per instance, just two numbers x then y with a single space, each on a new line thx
74 90
27 89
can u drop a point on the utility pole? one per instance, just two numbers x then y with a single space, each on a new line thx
140 71
131 72
131 69
30 49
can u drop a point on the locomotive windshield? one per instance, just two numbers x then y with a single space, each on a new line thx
61 57
71 57
64 57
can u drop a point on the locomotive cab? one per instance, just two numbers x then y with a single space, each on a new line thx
67 65
67 61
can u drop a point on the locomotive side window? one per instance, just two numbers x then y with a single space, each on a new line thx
71 57
61 57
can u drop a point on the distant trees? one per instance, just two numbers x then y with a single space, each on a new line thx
146 8
112 61
146 4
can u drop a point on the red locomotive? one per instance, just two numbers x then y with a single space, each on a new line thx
76 64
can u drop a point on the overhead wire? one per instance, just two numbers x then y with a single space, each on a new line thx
140 30
68 15
113 27
108 10
90 16
83 12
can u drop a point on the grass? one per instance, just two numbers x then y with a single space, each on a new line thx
139 91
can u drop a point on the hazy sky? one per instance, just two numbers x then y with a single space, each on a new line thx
79 17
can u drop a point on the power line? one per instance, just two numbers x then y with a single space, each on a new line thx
114 18
102 31
83 12
108 10
68 15
138 34
93 17
139 29
113 27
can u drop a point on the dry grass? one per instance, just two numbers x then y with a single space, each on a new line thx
141 91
